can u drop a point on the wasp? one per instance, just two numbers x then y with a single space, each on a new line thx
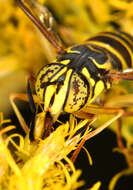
74 81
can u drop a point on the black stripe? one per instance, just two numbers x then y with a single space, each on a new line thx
127 35
115 61
85 59
52 100
116 45
58 81
92 69
67 56
42 77
93 89
47 66
121 37
44 94
57 73
100 57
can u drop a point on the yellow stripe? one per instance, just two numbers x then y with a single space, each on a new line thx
91 81
112 50
127 38
59 74
122 42
61 96
65 62
50 90
86 73
98 89
107 65
69 50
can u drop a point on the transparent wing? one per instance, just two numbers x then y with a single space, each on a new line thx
44 21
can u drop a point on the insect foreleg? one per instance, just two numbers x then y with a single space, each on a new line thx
81 144
120 76
96 131
16 110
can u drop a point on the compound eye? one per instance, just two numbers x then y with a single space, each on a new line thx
44 77
78 93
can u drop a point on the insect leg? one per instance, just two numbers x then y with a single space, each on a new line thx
33 110
120 101
112 106
81 144
30 97
120 76
118 112
37 129
125 101
118 133
16 110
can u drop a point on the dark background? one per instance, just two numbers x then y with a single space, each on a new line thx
106 163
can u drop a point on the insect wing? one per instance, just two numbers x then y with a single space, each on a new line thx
44 20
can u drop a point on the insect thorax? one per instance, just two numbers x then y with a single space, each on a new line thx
73 80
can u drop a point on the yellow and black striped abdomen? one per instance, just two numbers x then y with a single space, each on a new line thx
118 46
